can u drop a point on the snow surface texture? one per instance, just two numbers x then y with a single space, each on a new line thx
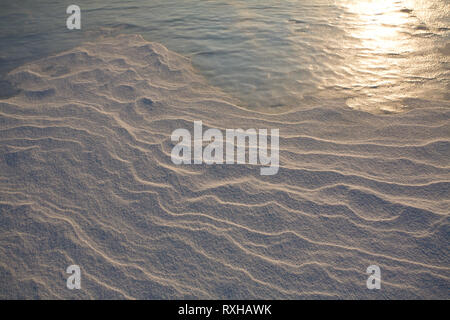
86 178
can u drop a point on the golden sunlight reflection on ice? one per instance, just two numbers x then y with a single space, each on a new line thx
380 27
394 53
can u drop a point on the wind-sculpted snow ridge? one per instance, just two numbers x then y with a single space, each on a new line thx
87 179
